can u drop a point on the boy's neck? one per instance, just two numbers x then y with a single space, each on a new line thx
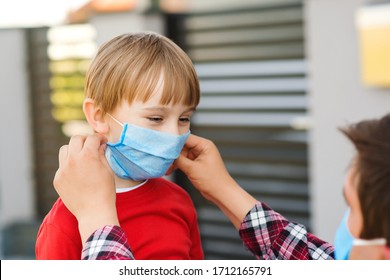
122 183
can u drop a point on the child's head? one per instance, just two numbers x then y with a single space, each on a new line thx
133 70
143 80
130 66
367 188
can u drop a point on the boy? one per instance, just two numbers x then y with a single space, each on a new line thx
141 90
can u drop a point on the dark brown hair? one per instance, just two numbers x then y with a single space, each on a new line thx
371 139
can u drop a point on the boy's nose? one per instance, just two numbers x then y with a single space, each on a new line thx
172 129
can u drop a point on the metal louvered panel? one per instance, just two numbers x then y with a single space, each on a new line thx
251 68
246 119
57 69
275 14
46 131
252 73
253 85
264 33
253 103
270 51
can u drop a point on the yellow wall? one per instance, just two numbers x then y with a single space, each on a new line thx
373 23
375 51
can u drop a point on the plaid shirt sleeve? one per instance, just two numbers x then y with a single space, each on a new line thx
107 243
268 235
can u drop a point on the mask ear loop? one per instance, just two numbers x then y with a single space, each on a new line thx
363 242
118 122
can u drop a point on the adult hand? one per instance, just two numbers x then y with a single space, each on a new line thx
85 183
201 161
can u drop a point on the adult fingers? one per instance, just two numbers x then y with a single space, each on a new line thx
62 155
102 155
171 169
76 144
196 146
193 141
184 164
94 141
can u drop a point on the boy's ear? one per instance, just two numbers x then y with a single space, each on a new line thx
95 116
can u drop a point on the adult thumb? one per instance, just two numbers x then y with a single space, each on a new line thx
184 163
102 155
102 150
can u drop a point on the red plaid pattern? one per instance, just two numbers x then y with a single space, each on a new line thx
269 236
107 243
266 233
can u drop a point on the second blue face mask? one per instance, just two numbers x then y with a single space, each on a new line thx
344 240
143 153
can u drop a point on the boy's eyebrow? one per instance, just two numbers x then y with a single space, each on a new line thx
164 108
156 108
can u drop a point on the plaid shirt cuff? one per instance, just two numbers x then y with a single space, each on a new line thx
107 243
268 235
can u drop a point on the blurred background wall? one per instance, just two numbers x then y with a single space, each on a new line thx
338 96
278 77
17 192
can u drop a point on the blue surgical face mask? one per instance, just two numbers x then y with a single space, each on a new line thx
143 153
344 240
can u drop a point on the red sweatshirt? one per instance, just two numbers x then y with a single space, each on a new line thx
159 219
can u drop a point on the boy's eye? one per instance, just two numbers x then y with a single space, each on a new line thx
155 119
185 120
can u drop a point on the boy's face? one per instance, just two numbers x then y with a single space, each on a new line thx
355 221
173 119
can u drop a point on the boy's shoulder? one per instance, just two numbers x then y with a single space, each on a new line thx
59 216
58 236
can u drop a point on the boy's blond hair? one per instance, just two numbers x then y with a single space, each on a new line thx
130 66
